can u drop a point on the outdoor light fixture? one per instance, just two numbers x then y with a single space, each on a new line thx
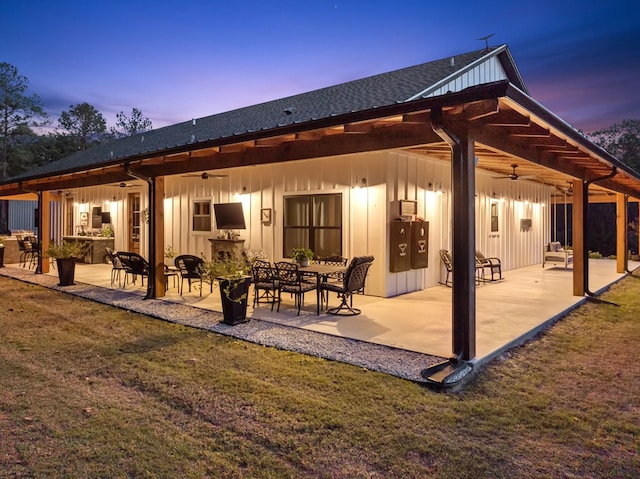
360 183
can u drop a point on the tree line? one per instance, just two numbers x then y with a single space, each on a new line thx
23 117
82 126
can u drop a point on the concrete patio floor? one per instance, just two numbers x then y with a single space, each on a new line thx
509 311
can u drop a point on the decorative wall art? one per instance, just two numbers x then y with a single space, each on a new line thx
525 225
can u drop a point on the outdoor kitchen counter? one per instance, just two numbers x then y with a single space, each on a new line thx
97 249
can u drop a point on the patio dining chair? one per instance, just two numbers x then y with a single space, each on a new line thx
116 267
354 281
266 287
189 268
291 281
134 265
27 252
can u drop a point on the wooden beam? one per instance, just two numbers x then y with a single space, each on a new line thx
621 232
577 240
399 135
44 229
474 111
158 237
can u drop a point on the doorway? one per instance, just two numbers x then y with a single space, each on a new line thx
134 223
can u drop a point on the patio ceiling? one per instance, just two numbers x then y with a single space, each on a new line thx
507 126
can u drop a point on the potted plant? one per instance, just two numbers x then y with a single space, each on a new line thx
230 274
169 254
66 253
1 252
302 256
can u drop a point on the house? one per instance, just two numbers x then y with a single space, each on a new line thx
457 144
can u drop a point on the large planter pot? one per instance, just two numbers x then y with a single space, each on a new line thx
234 300
1 256
304 262
66 271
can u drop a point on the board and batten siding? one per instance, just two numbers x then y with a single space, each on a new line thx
488 71
367 211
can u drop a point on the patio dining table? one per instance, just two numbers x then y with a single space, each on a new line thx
320 271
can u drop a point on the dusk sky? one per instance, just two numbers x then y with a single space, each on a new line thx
192 58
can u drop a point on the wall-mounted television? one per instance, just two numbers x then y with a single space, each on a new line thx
229 216
106 217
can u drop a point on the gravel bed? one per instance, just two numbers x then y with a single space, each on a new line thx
374 357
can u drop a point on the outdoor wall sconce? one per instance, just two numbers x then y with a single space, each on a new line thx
360 182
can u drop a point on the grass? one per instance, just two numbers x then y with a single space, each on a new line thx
93 391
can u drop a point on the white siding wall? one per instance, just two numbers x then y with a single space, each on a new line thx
367 212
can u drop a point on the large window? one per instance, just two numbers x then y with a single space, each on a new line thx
313 221
202 215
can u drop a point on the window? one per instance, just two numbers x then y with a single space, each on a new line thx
315 222
202 215
494 217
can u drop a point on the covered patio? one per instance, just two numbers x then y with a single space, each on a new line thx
509 312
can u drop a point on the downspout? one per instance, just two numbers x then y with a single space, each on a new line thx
585 228
151 283
40 206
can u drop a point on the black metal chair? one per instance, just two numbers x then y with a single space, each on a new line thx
189 268
336 278
266 287
116 267
291 281
134 265
354 281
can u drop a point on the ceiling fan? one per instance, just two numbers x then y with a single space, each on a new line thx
513 176
206 176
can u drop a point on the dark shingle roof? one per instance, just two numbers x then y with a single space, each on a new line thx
358 95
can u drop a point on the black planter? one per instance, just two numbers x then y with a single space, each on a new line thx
234 300
66 271
2 257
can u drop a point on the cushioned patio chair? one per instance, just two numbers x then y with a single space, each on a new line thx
353 282
447 261
493 264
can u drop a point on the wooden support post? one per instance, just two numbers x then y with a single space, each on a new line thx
621 232
577 240
464 247
44 229
158 236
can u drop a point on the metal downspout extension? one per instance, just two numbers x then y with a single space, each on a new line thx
151 283
451 372
585 233
39 194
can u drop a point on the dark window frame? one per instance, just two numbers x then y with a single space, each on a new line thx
310 227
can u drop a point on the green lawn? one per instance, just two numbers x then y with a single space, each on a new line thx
93 391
